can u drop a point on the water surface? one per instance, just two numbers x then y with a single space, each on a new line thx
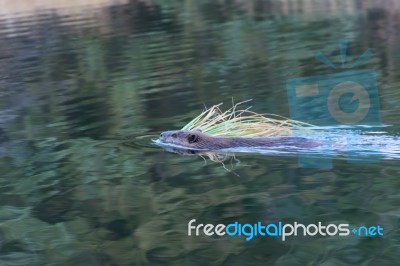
84 89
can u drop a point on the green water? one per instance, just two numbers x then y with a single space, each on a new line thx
83 95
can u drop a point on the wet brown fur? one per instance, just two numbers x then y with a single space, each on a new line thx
198 140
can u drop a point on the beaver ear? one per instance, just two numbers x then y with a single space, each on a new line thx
198 129
192 138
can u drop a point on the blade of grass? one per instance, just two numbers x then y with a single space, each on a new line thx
236 122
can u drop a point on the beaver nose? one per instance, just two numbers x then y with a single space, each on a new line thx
163 135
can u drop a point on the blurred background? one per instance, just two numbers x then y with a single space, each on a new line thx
78 79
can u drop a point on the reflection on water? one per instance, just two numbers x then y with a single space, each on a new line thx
78 82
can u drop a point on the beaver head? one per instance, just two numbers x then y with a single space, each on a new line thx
185 138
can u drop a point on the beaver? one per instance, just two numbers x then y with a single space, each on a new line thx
196 139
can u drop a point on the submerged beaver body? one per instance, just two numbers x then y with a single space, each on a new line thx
198 140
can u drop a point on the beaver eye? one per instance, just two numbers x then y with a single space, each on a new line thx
174 135
192 138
